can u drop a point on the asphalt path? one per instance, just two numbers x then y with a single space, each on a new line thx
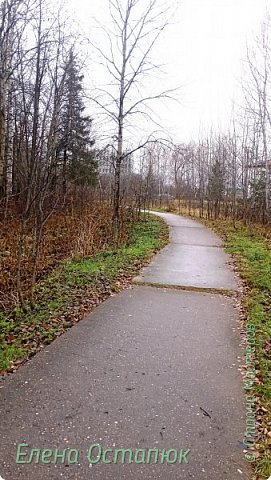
152 368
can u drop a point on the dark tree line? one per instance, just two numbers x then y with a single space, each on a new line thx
45 136
48 159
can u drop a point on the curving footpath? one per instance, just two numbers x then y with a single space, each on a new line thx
154 367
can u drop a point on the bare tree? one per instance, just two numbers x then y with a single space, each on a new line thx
136 27
259 101
14 17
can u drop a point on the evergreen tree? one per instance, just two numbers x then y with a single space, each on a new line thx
216 185
216 181
75 142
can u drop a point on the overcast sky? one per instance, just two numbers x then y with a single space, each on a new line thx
203 52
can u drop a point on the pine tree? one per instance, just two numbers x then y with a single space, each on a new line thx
75 143
216 185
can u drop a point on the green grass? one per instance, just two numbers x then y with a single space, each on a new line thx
252 250
74 289
254 257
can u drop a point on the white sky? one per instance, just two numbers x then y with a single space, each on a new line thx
203 52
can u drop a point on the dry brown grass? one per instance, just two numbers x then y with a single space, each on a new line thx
70 233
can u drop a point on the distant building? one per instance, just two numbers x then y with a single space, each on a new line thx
106 163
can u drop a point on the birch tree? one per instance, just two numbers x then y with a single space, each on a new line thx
136 28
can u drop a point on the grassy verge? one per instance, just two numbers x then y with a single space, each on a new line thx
74 289
251 248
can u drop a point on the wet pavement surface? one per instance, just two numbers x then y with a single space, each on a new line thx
194 258
151 368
